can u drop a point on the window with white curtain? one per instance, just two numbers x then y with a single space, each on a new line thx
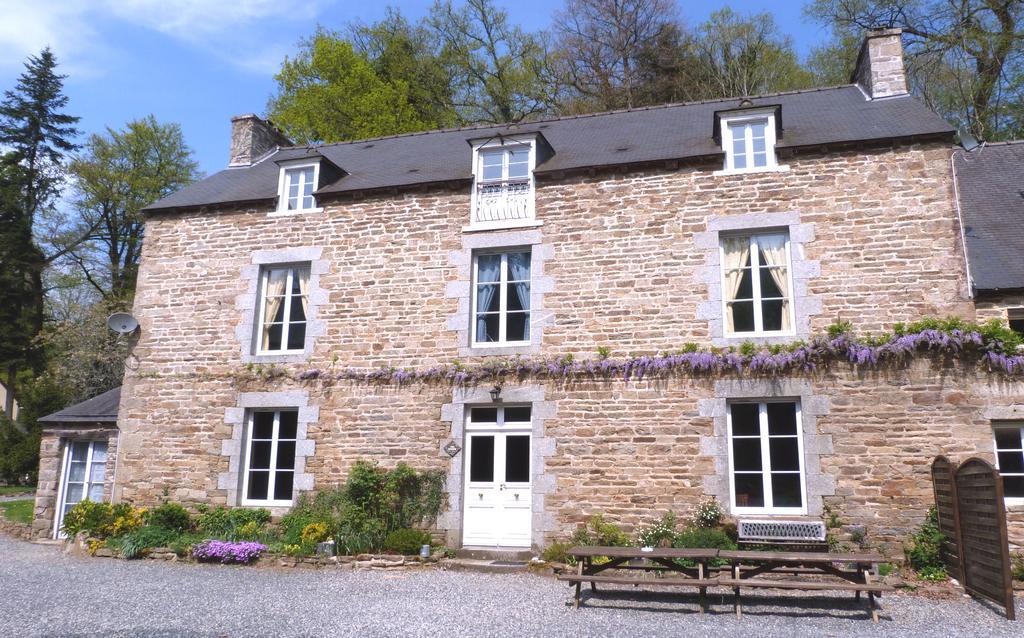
501 298
757 285
283 309
1009 440
766 458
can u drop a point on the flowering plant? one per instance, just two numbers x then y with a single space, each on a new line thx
708 514
228 552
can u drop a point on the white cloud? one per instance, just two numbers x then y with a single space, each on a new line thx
241 32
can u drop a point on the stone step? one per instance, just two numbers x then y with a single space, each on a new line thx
486 566
517 555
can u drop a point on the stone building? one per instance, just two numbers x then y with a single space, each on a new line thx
308 307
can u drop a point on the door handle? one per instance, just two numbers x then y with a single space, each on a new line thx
501 487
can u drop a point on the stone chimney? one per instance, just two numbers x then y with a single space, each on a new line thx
879 68
252 137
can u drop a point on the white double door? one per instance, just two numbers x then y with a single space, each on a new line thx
82 475
498 499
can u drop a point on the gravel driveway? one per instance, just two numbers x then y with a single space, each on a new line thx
44 593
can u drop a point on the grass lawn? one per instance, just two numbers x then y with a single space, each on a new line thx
17 489
18 511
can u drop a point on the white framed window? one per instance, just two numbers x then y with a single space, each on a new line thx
503 189
757 286
283 309
1015 320
269 477
748 140
766 460
82 476
1009 444
296 186
501 298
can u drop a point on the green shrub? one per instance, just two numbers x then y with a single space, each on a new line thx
309 510
708 514
556 553
884 569
230 524
406 541
315 533
1017 561
925 551
600 532
703 538
134 544
662 532
94 519
170 516
934 574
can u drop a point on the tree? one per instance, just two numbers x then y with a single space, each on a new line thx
737 56
400 51
330 93
964 57
494 65
38 135
601 44
118 174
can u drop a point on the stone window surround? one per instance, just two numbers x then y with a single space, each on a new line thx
541 447
461 289
803 270
247 303
815 445
1005 413
233 448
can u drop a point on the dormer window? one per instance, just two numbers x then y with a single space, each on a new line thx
748 139
503 188
295 190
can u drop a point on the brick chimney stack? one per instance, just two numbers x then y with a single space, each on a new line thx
879 68
252 137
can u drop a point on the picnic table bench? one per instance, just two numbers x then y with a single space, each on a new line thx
745 570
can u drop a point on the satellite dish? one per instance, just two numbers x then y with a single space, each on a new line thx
122 323
967 140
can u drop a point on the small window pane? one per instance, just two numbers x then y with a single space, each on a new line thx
745 419
760 160
492 169
781 418
749 490
484 415
286 455
517 459
262 425
481 466
77 471
297 336
758 144
1008 438
739 161
1011 462
75 492
80 451
518 296
96 493
519 266
487 299
99 452
487 328
1017 325
517 325
517 415
260 455
769 288
98 472
283 482
772 315
288 424
1013 486
757 129
488 268
746 455
273 341
746 285
785 454
742 316
492 158
786 490
259 483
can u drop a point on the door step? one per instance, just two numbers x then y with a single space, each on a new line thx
486 554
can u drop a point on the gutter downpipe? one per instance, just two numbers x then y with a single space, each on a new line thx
960 222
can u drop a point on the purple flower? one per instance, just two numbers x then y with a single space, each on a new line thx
243 552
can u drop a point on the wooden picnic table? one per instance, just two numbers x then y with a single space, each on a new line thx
658 559
746 569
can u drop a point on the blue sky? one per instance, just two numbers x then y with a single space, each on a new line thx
198 62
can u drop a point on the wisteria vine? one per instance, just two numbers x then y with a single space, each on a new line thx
803 357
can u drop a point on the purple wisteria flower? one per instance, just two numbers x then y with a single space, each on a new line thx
243 552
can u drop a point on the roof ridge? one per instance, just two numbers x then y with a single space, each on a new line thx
1003 143
476 127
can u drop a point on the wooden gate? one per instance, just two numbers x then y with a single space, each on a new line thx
972 515
949 522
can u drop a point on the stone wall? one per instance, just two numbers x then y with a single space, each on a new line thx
624 268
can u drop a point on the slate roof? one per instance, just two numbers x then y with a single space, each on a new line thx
99 409
676 131
990 180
